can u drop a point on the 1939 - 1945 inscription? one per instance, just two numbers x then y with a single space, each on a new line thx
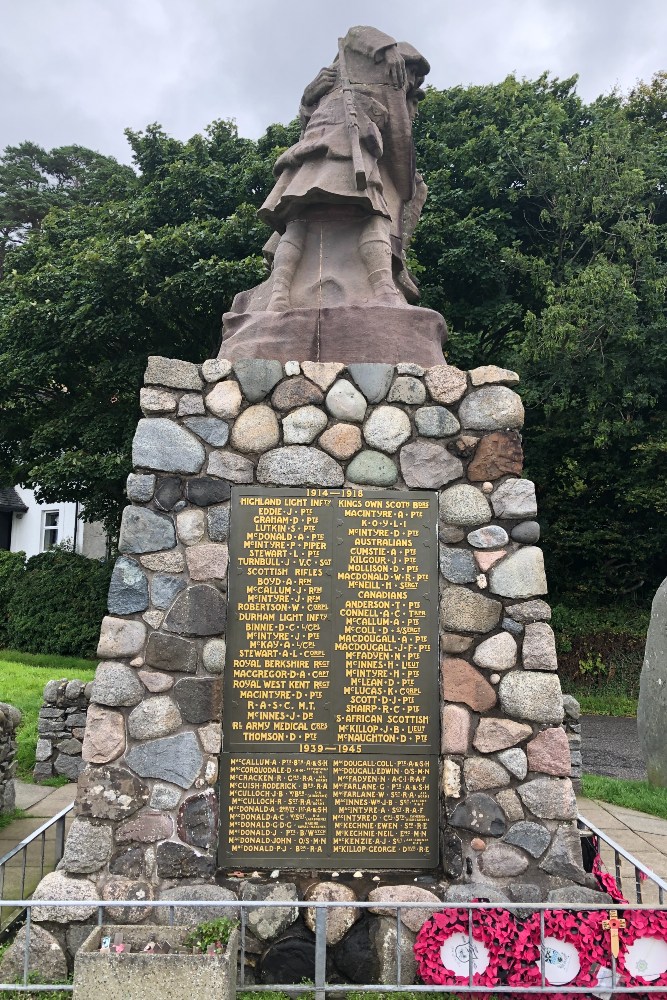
331 686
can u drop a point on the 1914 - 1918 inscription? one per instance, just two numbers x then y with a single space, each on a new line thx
331 686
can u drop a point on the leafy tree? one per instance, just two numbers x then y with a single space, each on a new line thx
543 242
101 286
34 180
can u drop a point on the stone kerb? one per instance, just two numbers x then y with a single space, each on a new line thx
147 806
10 719
61 728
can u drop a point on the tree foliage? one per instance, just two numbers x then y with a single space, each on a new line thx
545 246
102 285
543 242
34 180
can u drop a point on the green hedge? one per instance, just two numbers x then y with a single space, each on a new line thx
600 649
57 604
12 567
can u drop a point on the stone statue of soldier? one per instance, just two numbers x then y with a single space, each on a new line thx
345 204
358 109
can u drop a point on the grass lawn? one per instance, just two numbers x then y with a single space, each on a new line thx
22 680
605 702
637 795
8 818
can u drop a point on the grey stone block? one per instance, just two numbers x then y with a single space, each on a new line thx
164 588
457 565
140 488
491 408
201 610
299 465
88 847
162 444
372 468
172 653
436 421
128 589
257 377
177 759
218 523
116 685
532 837
209 429
373 379
173 373
143 530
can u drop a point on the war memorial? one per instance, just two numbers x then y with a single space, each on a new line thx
327 671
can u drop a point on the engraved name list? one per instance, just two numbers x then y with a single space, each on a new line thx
331 685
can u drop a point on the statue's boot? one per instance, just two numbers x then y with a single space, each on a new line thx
385 292
285 262
375 252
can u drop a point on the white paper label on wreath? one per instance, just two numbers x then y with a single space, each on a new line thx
647 957
455 955
561 961
602 983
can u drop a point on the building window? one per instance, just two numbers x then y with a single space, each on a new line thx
50 529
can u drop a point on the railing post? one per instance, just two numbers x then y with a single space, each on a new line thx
320 952
242 963
26 946
60 839
471 966
399 971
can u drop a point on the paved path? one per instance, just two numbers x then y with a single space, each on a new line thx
611 747
645 837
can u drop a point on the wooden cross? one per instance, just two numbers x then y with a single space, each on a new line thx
613 925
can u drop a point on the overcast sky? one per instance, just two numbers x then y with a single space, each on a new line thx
80 71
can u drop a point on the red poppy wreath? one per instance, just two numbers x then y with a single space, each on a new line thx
577 951
442 947
643 956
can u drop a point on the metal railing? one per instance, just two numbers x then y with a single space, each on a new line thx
22 868
643 881
320 987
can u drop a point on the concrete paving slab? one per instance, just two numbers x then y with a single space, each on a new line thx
635 843
52 803
18 830
28 795
645 824
657 840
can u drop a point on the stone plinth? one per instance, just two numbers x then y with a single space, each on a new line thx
148 799
408 334
133 975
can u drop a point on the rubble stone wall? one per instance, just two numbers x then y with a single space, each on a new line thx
61 729
147 806
10 719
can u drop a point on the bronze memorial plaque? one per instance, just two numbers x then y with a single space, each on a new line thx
331 726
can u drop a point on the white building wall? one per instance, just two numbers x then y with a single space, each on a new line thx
28 529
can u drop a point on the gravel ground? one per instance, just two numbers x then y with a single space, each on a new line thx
611 747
